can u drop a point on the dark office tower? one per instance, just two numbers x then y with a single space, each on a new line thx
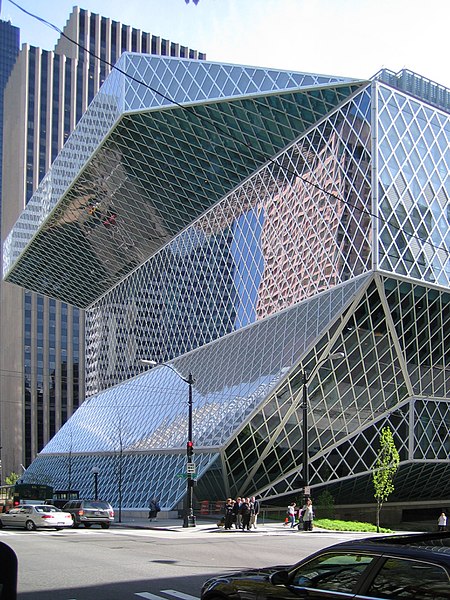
9 49
42 339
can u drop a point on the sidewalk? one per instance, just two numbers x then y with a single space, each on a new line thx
203 524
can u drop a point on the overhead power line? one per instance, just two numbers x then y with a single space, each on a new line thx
225 133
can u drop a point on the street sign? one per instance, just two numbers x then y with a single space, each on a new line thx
307 490
186 475
190 468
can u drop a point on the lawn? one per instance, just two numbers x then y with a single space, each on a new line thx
337 525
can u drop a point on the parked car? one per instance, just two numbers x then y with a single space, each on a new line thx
409 567
90 512
34 516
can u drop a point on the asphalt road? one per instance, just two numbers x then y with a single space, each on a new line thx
128 564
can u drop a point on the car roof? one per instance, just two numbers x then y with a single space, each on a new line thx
413 544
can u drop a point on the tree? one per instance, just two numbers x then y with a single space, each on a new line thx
12 478
325 505
386 466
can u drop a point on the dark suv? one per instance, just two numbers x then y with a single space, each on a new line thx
406 567
90 512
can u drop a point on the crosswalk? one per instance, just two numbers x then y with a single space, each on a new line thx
171 593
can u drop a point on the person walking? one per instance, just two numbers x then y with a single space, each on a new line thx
308 516
442 522
291 514
229 513
254 512
153 509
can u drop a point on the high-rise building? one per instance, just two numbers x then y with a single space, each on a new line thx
42 340
276 237
9 49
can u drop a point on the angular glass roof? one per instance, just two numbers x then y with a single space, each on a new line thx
162 142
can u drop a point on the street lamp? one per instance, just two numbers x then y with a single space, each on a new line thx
189 517
305 381
95 472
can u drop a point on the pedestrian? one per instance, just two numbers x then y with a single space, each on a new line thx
245 514
237 513
229 513
307 515
291 514
254 512
153 508
442 522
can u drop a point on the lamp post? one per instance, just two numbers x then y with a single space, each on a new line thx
305 381
189 517
95 472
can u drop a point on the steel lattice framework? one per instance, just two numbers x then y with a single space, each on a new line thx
243 224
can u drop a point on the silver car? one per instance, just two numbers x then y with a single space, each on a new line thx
31 517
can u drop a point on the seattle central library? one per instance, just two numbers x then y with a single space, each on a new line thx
243 225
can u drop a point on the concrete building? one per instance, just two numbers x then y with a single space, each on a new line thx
42 360
9 48
243 226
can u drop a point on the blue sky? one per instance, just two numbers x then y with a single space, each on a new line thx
353 38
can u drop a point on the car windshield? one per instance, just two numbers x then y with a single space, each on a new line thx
101 505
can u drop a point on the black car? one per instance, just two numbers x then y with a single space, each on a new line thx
407 567
90 512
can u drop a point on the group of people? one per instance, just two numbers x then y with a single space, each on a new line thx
300 517
241 513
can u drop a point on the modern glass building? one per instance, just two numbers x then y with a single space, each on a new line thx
42 368
243 225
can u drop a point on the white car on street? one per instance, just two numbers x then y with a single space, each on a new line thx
31 517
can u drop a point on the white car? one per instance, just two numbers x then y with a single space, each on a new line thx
36 516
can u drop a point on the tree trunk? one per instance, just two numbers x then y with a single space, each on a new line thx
378 516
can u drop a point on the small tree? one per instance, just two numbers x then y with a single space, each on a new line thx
325 504
12 478
386 466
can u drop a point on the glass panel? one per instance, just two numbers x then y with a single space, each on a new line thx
409 580
333 572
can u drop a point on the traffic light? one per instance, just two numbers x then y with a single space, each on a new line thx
190 448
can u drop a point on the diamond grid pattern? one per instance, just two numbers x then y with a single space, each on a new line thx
431 433
125 196
422 321
168 81
266 281
250 257
414 173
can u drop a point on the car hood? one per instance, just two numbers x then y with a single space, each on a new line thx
241 578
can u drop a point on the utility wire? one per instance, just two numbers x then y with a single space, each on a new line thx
226 134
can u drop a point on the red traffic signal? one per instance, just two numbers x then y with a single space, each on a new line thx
190 445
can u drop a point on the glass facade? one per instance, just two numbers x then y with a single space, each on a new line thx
42 372
244 225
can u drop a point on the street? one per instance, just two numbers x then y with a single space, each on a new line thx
127 564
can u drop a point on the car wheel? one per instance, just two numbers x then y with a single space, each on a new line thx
75 525
105 525
87 525
58 528
30 526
